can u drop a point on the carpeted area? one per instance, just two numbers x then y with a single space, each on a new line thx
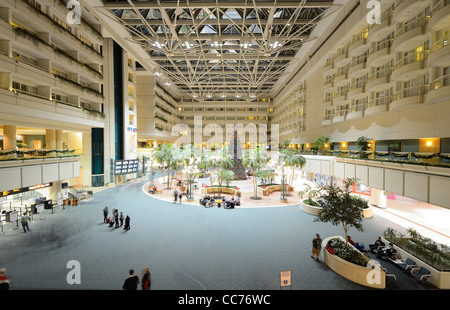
186 247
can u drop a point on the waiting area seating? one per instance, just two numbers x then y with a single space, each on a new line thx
155 190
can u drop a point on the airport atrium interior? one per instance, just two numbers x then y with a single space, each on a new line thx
338 127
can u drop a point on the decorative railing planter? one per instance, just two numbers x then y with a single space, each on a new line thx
352 272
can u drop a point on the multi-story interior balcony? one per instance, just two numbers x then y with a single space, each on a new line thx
440 51
328 83
34 18
405 9
357 90
409 97
410 65
342 57
342 77
439 89
328 99
329 67
378 105
384 28
327 119
379 79
358 44
411 34
340 113
359 66
440 15
341 96
380 53
357 108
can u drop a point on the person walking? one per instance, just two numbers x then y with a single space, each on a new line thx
116 218
4 282
121 218
24 220
180 196
105 214
132 282
316 246
146 280
127 223
175 195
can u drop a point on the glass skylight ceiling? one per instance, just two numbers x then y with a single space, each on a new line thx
234 47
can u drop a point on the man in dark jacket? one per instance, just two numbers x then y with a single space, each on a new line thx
132 282
127 223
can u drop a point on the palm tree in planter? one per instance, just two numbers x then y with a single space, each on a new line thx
339 207
267 176
163 155
294 160
312 193
255 159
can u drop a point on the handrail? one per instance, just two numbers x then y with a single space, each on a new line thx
440 43
413 24
412 91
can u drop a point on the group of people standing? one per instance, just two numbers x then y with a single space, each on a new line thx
116 220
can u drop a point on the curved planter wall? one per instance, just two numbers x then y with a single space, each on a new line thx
367 213
352 272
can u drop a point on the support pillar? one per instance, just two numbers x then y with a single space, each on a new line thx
378 198
50 139
9 139
59 139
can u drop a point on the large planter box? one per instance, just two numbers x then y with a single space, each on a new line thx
355 273
309 209
440 279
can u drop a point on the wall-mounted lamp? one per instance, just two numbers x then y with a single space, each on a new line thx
429 143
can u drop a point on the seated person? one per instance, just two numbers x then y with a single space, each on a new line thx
179 183
376 244
153 190
388 251
349 239
360 247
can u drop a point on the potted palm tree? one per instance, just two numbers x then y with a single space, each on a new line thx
309 205
255 159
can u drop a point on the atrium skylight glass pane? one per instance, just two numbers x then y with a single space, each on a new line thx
231 14
206 13
255 29
129 14
208 29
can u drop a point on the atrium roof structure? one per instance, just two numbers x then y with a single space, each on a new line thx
213 49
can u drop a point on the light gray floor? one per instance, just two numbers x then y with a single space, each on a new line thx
186 247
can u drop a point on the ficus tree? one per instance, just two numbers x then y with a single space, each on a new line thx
340 208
